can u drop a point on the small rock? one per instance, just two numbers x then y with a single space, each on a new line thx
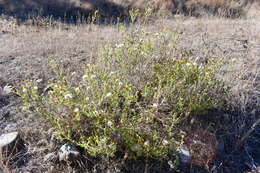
184 154
10 143
39 80
8 138
7 89
68 152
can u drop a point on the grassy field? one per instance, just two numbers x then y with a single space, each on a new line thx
203 30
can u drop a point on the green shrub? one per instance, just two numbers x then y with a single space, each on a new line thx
131 99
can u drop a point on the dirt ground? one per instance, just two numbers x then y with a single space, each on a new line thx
24 53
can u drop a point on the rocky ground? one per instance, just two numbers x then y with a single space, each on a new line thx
24 53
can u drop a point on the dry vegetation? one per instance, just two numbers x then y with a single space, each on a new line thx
26 48
113 9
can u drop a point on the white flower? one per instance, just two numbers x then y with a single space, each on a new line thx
146 143
84 77
112 73
67 96
25 108
155 105
39 80
24 90
191 64
35 87
76 110
103 140
165 142
92 76
109 123
87 98
109 94
171 164
120 84
120 45
77 89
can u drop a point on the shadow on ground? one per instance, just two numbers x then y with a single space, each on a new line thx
64 10
70 11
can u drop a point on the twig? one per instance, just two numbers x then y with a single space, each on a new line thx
247 134
252 165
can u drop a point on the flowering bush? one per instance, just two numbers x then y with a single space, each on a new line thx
130 100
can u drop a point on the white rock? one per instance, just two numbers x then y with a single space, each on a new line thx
10 144
184 154
7 89
7 139
11 148
68 151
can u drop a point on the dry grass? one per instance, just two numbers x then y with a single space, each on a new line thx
24 51
112 9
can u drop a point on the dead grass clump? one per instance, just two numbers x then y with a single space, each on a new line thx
72 11
203 147
199 8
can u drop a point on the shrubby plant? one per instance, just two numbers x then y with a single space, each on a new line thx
134 14
131 99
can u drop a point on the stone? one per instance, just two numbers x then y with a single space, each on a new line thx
69 152
8 138
184 154
10 143
7 89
